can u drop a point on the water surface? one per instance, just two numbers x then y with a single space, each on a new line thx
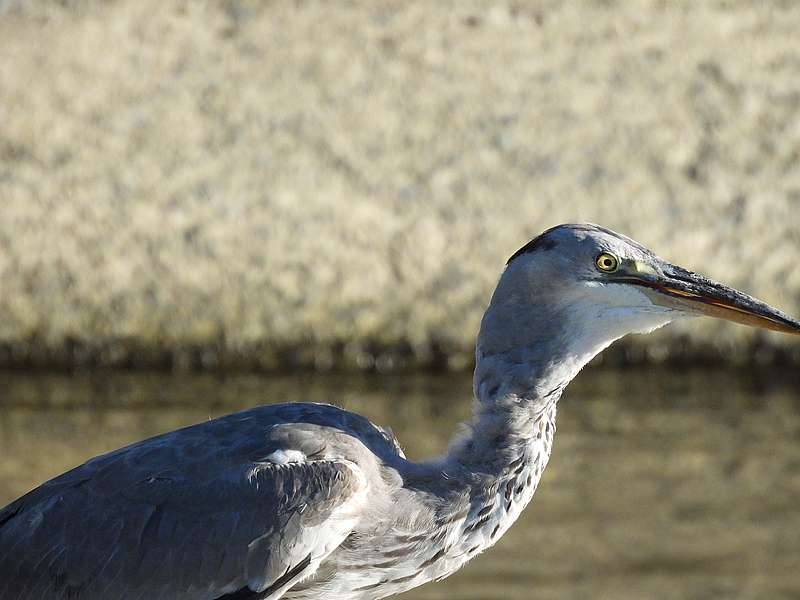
663 484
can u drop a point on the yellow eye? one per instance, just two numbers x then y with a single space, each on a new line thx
607 263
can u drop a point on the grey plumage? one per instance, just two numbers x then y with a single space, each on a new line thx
302 501
197 510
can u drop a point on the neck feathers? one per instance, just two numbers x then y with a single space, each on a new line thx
535 337
513 416
533 341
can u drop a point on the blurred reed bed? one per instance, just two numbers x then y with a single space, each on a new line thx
234 184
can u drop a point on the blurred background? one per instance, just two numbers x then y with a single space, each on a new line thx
210 205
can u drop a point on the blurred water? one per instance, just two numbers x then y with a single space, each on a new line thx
662 484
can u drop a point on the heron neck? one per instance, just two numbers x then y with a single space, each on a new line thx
523 363
514 412
501 458
524 360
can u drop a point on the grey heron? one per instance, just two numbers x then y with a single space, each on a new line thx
302 501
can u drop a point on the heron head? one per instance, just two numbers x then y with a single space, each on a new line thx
590 284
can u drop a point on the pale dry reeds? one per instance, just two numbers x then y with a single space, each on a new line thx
279 184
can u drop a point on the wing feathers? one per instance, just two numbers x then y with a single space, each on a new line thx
291 574
194 538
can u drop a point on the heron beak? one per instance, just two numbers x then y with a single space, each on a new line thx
683 290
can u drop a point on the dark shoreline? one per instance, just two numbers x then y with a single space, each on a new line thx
354 360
